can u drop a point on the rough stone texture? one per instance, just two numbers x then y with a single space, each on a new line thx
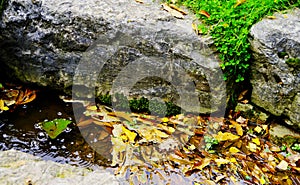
44 41
281 134
275 80
22 168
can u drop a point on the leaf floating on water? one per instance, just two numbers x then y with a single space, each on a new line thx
55 127
226 136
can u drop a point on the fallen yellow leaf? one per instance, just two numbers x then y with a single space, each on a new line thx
2 106
256 141
139 1
252 147
221 161
258 129
178 9
131 135
226 136
164 120
233 150
239 129
283 165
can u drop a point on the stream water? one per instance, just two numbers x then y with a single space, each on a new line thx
19 130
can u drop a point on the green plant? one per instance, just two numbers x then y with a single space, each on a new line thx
210 142
140 105
230 23
296 147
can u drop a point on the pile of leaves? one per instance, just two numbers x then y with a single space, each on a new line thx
216 150
12 96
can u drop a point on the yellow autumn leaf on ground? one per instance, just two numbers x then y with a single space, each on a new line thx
131 135
221 161
283 165
139 1
258 129
164 120
92 107
226 136
239 129
2 106
252 147
256 141
233 150
160 134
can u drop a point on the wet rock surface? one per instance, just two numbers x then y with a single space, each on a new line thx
22 168
275 73
113 46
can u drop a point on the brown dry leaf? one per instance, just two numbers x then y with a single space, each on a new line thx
271 17
123 115
85 122
172 11
139 1
226 136
205 13
205 162
245 101
178 9
242 95
103 134
239 2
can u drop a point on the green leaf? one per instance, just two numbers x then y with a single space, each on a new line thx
1 86
55 127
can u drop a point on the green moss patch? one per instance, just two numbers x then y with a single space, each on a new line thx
229 22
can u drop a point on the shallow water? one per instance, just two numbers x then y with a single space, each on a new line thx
19 130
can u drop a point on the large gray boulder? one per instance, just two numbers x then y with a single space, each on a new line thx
111 46
275 73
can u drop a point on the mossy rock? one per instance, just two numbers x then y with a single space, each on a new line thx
282 135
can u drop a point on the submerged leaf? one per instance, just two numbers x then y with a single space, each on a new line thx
55 127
